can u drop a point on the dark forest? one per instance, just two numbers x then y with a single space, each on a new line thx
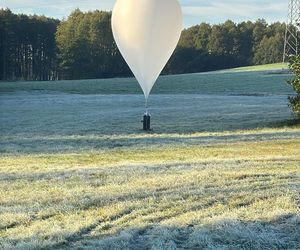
82 47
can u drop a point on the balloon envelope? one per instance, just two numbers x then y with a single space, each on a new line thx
146 33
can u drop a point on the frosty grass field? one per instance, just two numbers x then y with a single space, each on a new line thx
220 170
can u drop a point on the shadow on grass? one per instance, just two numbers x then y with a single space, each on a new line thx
89 142
281 233
285 123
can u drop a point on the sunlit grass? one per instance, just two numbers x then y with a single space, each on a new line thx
78 173
244 80
273 66
238 194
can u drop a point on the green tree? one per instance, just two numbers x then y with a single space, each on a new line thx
86 48
202 37
82 46
188 37
216 44
27 47
295 83
245 42
259 31
269 50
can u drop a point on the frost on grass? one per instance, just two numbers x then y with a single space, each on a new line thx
239 195
72 176
222 235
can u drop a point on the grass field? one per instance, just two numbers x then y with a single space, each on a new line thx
254 80
220 170
272 67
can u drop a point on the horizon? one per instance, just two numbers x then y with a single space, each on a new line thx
194 11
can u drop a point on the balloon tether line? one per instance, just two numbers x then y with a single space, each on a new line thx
146 106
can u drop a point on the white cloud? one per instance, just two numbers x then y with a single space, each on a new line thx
195 11
237 10
55 8
56 3
241 10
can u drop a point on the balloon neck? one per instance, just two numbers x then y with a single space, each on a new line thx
146 106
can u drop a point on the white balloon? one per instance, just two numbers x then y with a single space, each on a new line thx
146 33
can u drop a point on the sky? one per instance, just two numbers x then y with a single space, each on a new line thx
195 11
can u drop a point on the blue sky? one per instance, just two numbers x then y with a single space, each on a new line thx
195 11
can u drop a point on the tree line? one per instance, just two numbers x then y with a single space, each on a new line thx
27 47
208 47
82 46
